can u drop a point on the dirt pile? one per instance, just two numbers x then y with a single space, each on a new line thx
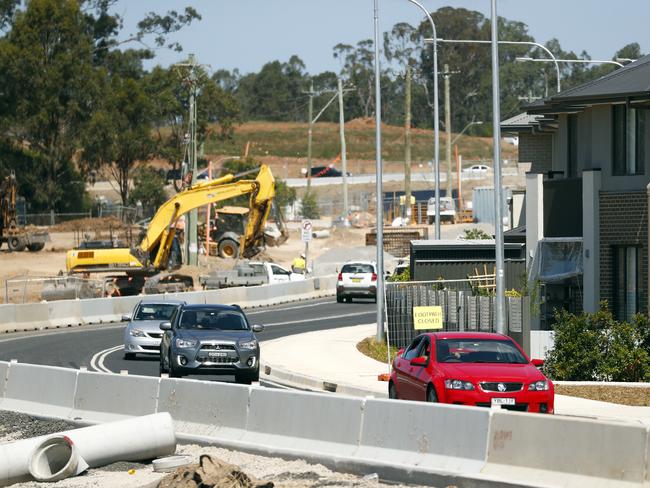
211 472
97 224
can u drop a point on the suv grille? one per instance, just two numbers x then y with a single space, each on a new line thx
494 386
226 360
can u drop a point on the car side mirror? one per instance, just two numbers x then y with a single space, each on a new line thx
165 326
126 317
400 352
258 328
419 361
538 363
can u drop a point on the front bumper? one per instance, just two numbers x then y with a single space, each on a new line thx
141 345
525 401
231 361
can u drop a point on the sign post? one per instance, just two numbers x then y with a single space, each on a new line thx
306 229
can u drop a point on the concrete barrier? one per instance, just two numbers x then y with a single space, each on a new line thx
7 318
442 438
205 409
98 311
124 305
31 316
4 371
104 397
567 452
65 313
40 390
299 422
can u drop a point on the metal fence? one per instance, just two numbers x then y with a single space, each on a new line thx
29 290
462 310
123 213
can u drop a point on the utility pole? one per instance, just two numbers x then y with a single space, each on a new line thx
446 75
309 134
191 234
344 162
407 143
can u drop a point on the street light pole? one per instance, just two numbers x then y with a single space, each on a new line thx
498 219
380 336
576 61
436 136
512 43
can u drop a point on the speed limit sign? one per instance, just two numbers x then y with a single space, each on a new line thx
306 230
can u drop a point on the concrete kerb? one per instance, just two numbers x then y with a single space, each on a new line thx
40 390
102 397
566 452
219 413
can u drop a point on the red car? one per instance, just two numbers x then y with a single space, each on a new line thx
470 368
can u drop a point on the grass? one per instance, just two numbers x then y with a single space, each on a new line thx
376 350
285 139
623 395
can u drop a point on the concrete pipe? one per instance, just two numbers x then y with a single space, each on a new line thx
56 458
136 439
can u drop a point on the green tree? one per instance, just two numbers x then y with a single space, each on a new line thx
148 189
310 206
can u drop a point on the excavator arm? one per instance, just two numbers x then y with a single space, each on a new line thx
153 251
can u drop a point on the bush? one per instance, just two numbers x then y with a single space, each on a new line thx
310 206
596 347
476 234
149 189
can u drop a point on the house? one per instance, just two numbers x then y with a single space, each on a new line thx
587 192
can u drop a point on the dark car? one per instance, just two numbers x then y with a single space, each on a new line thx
325 171
210 339
470 368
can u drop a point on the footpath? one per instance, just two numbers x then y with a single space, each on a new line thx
329 360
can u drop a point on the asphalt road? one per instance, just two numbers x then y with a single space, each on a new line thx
98 347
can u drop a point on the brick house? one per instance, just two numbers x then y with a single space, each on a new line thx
588 185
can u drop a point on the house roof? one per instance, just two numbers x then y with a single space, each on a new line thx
631 82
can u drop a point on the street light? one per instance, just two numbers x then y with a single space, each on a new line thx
583 61
436 136
512 43
477 122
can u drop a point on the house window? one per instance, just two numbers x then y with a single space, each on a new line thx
628 127
626 295
572 146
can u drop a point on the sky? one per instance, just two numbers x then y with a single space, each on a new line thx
246 34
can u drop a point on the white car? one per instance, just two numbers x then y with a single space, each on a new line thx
357 279
477 168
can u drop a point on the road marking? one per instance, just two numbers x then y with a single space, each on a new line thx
97 361
290 308
329 317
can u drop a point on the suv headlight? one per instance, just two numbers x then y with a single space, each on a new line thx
538 386
458 385
248 344
136 332
185 343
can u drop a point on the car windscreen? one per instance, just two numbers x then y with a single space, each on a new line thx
357 268
213 319
478 351
162 312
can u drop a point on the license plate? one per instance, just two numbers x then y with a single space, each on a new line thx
217 354
503 401
356 280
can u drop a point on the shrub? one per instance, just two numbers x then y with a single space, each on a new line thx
310 206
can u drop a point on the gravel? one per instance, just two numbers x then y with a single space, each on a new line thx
284 473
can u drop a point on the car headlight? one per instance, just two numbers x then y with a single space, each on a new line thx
458 385
248 344
538 386
136 332
184 343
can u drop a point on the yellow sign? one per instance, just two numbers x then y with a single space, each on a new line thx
427 317
402 199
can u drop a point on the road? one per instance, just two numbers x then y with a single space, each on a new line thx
98 347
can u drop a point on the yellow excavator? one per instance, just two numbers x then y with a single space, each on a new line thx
152 256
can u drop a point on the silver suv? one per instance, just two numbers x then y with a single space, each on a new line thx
357 279
210 339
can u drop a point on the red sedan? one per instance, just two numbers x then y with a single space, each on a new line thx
470 368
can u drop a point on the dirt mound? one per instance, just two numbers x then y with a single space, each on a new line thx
91 224
211 472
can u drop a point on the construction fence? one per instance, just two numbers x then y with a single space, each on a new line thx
464 308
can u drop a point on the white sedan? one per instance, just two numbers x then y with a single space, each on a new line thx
477 168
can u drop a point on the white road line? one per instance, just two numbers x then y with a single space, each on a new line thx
97 361
291 308
329 317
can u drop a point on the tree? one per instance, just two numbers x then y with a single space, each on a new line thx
310 206
148 189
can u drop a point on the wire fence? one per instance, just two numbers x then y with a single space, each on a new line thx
463 307
121 212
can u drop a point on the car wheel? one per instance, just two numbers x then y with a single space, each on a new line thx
392 391
173 371
339 299
129 356
431 395
162 369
